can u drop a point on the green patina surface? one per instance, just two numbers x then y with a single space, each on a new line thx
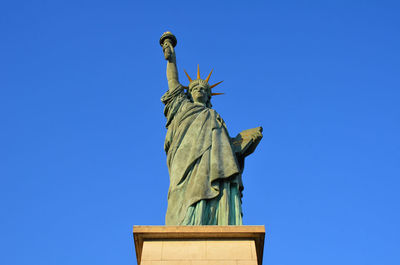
205 164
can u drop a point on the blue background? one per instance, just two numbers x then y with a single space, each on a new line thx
82 125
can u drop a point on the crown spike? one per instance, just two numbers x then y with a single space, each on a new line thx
198 71
190 79
216 84
209 75
216 94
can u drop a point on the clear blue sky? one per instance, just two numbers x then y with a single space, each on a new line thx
82 128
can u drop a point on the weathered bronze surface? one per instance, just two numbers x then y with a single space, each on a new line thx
205 164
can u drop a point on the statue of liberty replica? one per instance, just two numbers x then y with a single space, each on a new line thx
205 164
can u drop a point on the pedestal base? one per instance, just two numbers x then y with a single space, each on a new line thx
199 245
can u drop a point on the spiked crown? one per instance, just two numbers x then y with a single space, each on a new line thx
202 81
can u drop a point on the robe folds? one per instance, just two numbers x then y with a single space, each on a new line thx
205 177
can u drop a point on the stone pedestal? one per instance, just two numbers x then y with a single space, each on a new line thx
199 245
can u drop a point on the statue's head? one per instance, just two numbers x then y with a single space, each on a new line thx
200 92
199 89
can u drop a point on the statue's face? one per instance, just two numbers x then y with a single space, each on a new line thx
199 94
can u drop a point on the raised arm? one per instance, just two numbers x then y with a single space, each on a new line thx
172 71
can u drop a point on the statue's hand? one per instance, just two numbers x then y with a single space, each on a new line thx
169 51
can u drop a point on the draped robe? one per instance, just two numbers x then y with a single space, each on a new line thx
205 176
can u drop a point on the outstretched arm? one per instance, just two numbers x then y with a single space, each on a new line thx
172 71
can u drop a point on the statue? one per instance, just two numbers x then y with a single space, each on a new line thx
205 165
